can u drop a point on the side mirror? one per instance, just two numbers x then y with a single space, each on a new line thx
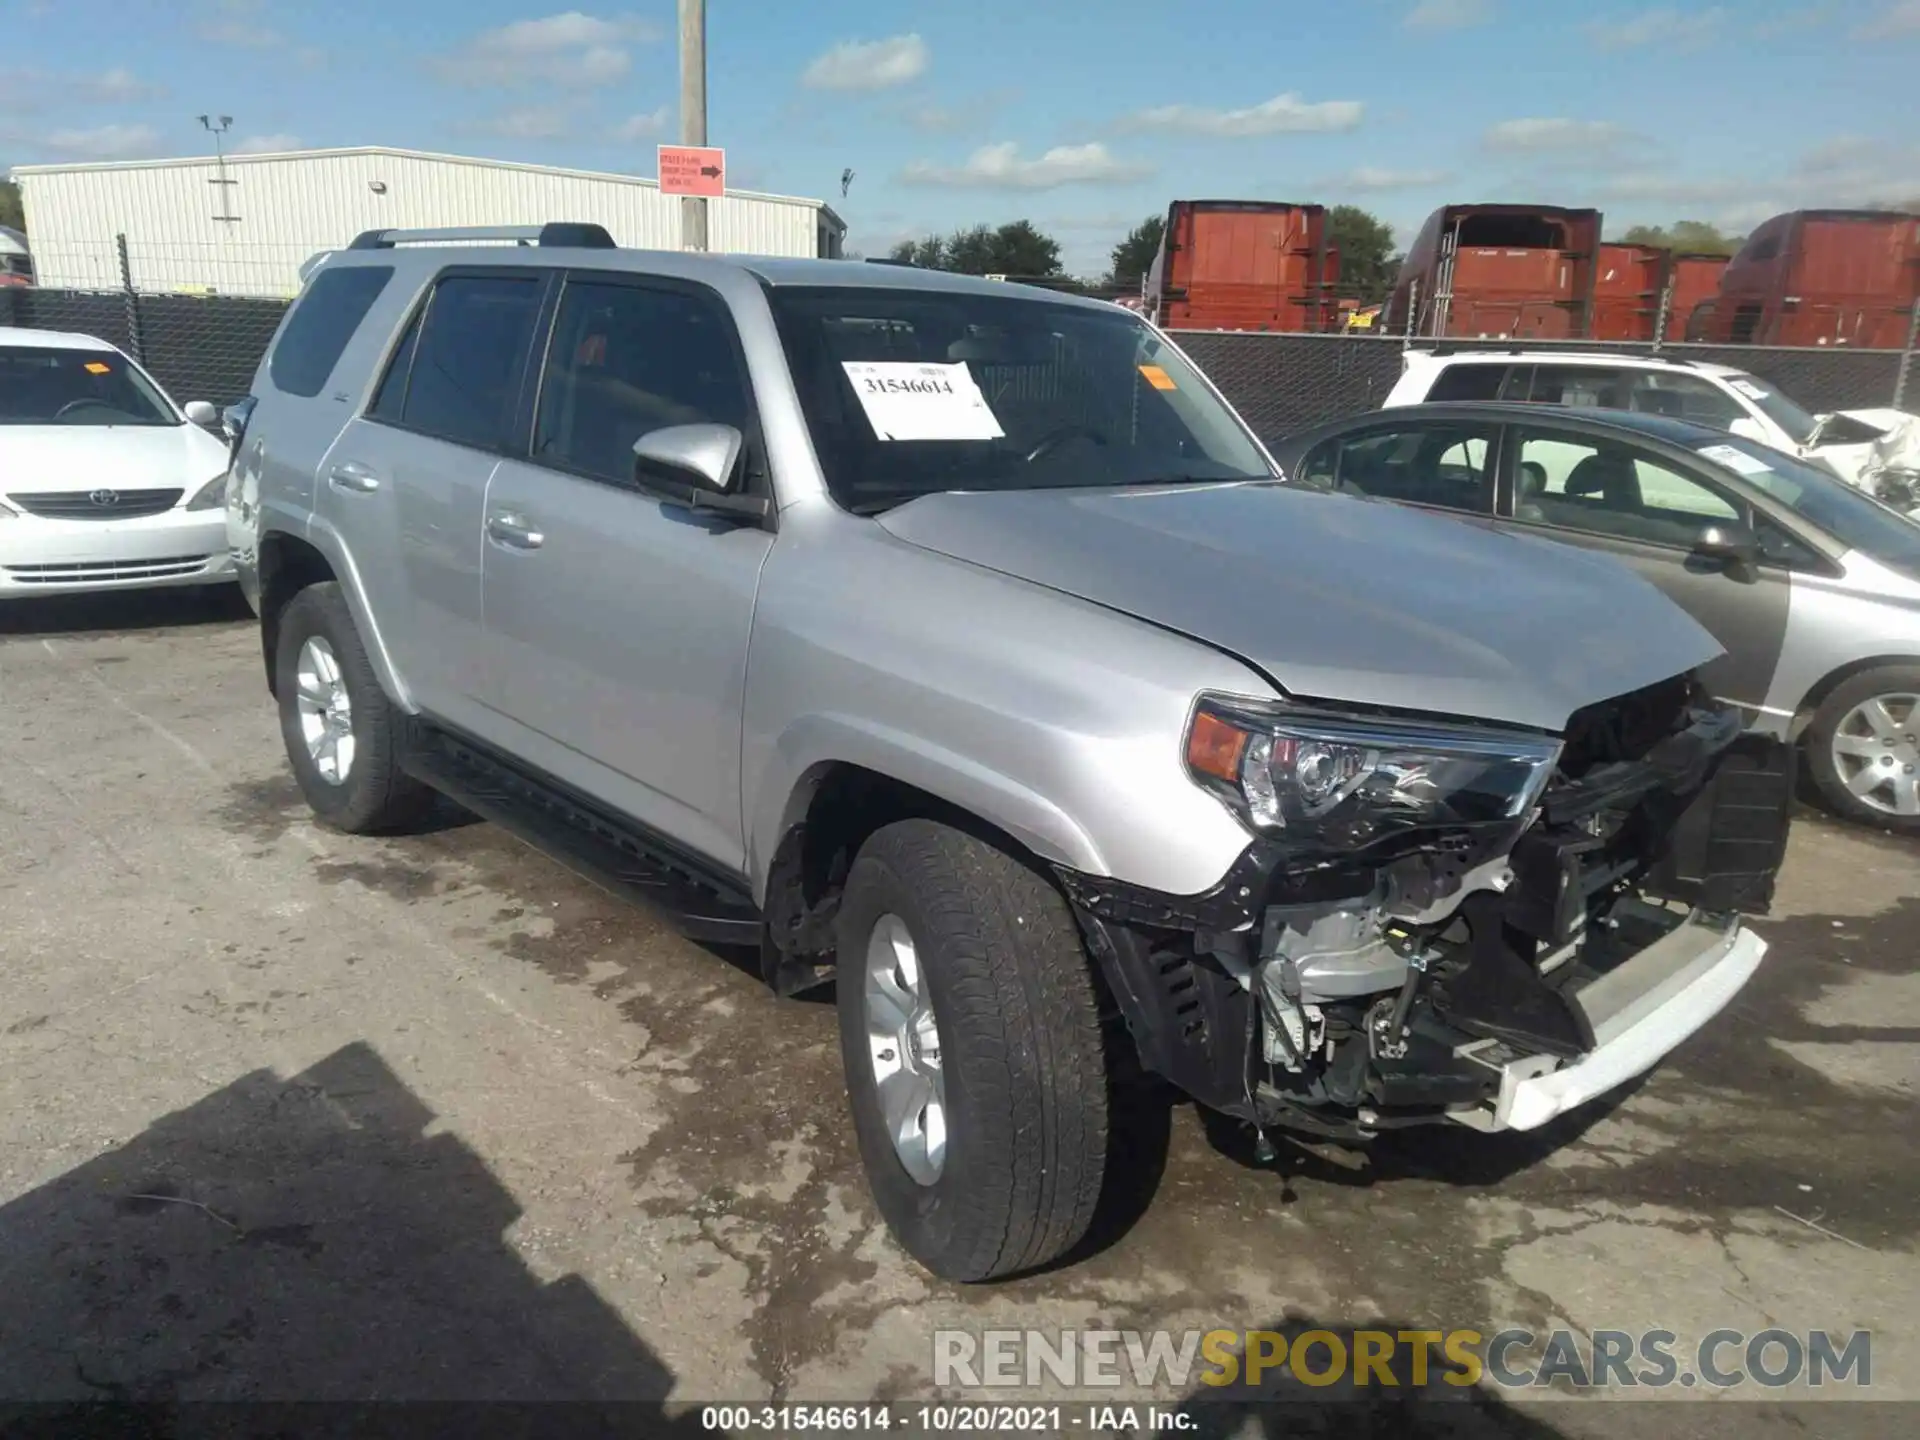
1748 428
202 413
1731 544
695 466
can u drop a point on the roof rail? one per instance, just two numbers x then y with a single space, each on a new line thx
574 234
889 260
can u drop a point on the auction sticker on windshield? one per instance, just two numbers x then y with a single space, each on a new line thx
906 401
1736 460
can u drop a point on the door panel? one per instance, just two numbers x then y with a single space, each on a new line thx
1644 510
617 623
617 647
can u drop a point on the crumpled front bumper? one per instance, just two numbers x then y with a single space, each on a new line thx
1640 1012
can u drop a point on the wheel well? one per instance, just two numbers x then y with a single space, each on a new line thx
287 566
844 804
1827 684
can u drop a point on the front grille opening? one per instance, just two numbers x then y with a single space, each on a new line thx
1626 727
82 573
99 504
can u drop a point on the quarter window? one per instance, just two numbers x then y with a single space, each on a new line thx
464 384
322 323
629 359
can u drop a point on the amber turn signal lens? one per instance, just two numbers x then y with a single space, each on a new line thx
1215 748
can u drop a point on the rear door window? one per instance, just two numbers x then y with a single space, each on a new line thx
322 323
464 383
1587 385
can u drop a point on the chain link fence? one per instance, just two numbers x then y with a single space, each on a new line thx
205 346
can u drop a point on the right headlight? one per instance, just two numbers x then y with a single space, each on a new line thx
210 496
1342 783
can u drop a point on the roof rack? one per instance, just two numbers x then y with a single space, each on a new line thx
1570 355
566 233
889 260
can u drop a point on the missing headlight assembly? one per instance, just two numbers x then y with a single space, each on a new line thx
1431 914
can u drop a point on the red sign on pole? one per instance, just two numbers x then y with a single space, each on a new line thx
692 170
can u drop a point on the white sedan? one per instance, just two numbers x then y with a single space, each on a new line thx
105 483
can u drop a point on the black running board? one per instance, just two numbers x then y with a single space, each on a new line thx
594 842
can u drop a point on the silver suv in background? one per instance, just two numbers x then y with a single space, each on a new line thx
954 642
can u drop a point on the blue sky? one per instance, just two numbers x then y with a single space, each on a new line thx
1083 117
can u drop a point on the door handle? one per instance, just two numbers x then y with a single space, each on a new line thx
514 530
352 475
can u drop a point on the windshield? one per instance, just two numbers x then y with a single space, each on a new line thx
911 392
1851 516
1776 407
76 387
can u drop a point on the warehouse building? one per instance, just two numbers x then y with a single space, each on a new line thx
243 225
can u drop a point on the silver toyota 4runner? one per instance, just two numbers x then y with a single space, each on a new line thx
952 641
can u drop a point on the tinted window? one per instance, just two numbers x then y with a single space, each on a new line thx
1445 464
1468 382
321 325
1606 488
1579 385
48 386
626 360
392 395
1685 397
908 392
465 381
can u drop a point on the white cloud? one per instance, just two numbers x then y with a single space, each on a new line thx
999 167
1448 14
1553 133
116 87
869 64
1676 29
1901 17
528 122
643 127
571 50
104 142
1283 114
1374 177
243 25
272 144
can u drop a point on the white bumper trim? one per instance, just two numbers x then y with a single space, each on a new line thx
1640 1011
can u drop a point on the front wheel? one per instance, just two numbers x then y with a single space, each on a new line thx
970 1031
1863 748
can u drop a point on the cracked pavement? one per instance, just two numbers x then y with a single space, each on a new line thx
290 1114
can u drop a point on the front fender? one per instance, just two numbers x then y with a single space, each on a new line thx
813 744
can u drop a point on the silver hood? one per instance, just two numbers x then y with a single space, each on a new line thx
1336 598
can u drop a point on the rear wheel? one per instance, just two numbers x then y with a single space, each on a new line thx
970 1031
1863 748
342 733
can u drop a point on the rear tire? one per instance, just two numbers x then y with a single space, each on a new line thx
1023 1089
1861 748
332 706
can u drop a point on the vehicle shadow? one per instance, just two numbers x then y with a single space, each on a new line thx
300 1240
123 610
1434 1396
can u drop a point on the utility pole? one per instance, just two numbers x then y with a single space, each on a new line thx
693 113
226 215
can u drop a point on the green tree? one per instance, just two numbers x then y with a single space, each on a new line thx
1368 264
1017 248
1134 256
1687 237
12 214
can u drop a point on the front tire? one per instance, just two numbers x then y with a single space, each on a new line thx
1863 748
342 732
970 1031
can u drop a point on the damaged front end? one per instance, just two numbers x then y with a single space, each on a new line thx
1450 923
